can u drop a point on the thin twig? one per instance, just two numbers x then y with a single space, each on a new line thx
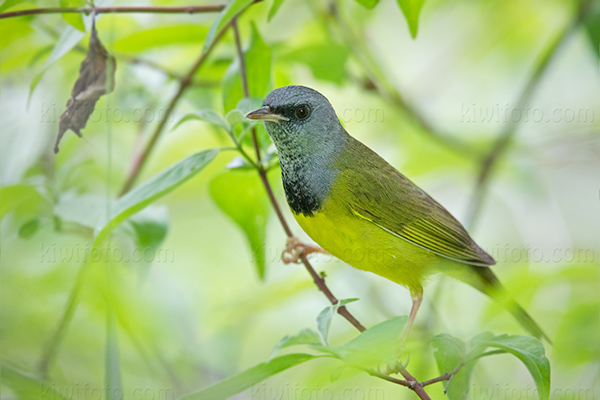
114 10
184 83
506 135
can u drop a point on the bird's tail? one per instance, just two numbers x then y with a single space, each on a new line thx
484 280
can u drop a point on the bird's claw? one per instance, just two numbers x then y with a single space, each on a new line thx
295 249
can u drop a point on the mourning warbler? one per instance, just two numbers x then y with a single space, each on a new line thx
363 211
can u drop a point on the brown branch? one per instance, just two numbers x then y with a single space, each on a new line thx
114 10
506 135
184 83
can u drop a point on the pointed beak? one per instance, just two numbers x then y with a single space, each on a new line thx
265 114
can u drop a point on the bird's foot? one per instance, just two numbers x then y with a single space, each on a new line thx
295 249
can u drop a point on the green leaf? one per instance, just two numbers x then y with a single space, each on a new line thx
152 189
29 228
28 387
146 39
233 8
531 352
22 199
65 43
326 61
85 209
245 380
257 59
305 336
449 353
378 345
368 3
411 10
150 227
274 8
325 316
75 20
242 197
591 25
10 3
207 115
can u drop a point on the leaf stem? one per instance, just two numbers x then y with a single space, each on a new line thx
114 10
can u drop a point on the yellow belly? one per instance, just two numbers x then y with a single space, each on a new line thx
365 246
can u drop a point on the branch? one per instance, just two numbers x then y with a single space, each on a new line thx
184 83
504 138
114 10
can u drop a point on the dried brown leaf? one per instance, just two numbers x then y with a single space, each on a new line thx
90 85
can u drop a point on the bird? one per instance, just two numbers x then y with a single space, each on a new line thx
360 209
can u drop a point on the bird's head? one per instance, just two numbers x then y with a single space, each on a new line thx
299 119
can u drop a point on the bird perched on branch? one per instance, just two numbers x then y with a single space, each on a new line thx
363 211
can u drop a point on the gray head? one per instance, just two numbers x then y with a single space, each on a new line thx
300 120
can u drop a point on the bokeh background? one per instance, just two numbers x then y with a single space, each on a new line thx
188 306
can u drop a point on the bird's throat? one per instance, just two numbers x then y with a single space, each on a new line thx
306 183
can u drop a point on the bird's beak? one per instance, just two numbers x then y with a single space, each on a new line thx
265 114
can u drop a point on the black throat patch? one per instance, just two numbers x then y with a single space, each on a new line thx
302 194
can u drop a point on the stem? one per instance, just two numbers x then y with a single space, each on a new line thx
184 83
506 135
114 10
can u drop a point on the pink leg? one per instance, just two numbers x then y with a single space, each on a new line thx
417 299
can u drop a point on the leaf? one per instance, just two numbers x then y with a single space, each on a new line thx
305 336
449 353
378 345
239 162
27 386
10 3
150 227
591 25
411 10
23 199
242 197
76 19
233 8
274 8
257 59
95 70
245 380
207 115
65 43
325 316
146 39
29 228
368 3
85 209
532 353
327 61
152 189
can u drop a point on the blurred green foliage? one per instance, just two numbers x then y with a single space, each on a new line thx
177 287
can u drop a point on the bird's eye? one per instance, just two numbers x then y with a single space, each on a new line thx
302 111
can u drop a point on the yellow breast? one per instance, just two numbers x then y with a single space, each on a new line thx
365 246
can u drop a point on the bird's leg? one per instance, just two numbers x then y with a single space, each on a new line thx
295 249
417 299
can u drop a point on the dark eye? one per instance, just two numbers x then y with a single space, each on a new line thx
302 111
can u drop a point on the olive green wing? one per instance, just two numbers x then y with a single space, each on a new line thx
380 194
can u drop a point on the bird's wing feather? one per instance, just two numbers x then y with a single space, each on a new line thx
380 194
